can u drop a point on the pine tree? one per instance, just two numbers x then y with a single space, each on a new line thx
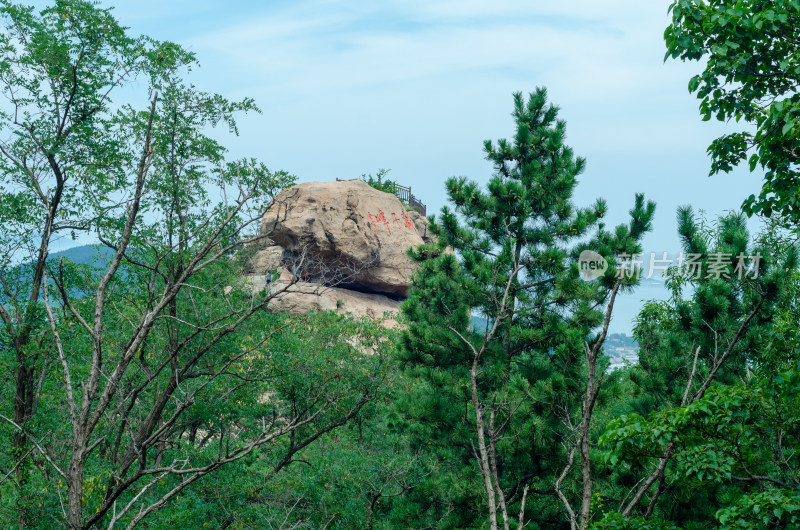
500 397
723 331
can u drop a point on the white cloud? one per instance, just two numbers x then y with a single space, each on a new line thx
416 86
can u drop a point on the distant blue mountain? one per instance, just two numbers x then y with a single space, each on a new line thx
95 256
621 340
478 323
85 255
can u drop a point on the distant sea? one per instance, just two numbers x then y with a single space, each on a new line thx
627 306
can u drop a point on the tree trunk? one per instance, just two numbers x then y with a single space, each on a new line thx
483 460
23 406
75 485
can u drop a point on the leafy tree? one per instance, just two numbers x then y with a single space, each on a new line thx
355 477
700 417
135 379
322 470
752 72
379 182
514 399
59 69
734 448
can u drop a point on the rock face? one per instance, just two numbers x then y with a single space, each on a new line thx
304 297
266 259
347 234
337 246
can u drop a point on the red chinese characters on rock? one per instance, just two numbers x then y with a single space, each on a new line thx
379 218
408 222
403 222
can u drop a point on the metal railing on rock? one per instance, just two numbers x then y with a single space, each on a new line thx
404 194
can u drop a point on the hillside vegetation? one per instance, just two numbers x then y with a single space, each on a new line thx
149 381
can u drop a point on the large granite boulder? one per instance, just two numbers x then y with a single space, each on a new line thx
265 261
303 297
346 234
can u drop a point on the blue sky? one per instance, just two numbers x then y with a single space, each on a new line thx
416 86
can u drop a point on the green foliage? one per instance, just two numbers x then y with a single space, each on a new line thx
614 521
768 509
727 418
299 425
272 367
737 435
713 293
751 73
310 490
157 363
516 244
379 182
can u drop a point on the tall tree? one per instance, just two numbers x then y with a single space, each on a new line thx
137 378
59 69
513 396
705 358
752 71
